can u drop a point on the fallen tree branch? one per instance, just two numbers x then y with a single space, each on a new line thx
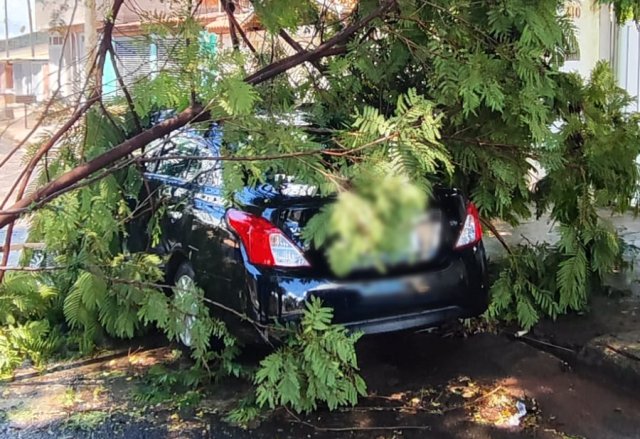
355 428
102 161
235 26
25 174
298 48
497 234
332 46
34 269
321 51
96 95
6 249
235 43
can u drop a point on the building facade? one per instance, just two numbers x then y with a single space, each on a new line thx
24 68
137 53
60 60
600 37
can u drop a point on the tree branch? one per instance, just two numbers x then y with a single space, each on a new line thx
497 234
96 95
125 90
102 161
235 26
332 46
321 51
298 48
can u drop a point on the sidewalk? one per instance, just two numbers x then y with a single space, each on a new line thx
12 132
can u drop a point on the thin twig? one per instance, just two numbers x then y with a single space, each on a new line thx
355 428
12 268
629 355
6 249
235 26
497 234
298 48
330 152
112 121
123 87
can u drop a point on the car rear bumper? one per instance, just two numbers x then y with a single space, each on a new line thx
386 304
422 319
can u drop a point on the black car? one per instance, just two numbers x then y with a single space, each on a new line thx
250 257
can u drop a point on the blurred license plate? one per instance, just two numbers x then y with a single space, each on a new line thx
426 236
424 242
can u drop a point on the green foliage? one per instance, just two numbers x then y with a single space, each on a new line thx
370 220
598 145
625 9
175 386
35 340
239 98
246 413
24 296
285 14
86 421
102 289
453 93
317 365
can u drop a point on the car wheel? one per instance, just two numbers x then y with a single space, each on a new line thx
185 285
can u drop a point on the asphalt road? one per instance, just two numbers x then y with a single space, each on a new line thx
449 387
8 173
420 385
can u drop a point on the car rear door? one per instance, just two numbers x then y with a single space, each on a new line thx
213 250
171 188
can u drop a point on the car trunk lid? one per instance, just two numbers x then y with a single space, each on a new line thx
431 241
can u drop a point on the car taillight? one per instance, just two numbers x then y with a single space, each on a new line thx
265 243
471 232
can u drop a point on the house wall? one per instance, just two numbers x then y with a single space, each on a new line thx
586 16
601 38
6 77
29 78
628 61
66 63
50 12
58 12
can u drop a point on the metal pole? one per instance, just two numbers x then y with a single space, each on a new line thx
31 35
6 46
33 49
6 28
90 33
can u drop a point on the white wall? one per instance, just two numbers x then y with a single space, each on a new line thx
627 63
588 35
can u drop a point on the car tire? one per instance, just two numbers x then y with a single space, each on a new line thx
184 283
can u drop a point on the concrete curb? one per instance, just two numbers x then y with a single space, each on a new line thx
615 356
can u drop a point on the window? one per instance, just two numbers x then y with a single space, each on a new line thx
573 55
181 151
204 172
176 166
